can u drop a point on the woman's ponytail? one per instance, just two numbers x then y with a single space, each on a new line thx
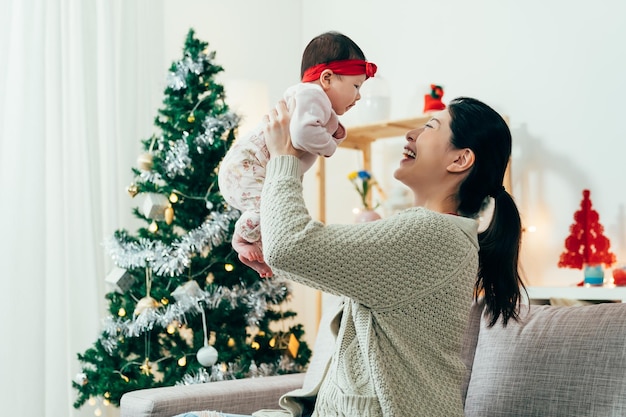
478 127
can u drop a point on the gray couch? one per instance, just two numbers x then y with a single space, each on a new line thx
557 362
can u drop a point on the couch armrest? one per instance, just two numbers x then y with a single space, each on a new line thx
239 396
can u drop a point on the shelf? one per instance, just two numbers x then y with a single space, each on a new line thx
364 135
604 293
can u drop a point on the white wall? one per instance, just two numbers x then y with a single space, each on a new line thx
556 68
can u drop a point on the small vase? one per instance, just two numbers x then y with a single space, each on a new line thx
594 275
366 216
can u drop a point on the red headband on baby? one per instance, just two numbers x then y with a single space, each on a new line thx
342 67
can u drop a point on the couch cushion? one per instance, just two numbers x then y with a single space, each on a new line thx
470 339
557 361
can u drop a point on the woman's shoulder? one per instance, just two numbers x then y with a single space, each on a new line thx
428 221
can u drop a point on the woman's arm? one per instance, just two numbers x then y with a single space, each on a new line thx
367 262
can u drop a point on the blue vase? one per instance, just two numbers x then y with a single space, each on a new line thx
594 275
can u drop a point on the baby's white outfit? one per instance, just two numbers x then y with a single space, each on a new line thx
314 128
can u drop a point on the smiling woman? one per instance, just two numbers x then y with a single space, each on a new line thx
454 165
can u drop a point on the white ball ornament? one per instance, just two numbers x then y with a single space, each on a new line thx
207 356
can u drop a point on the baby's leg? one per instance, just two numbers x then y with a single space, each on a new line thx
251 254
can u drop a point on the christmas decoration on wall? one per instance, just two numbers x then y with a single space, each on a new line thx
182 308
586 247
432 100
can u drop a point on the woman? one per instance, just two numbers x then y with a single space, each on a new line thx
408 281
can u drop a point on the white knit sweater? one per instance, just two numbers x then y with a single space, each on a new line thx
408 283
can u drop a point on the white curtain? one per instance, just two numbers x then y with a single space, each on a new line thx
80 82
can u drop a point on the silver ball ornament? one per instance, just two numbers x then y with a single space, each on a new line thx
207 356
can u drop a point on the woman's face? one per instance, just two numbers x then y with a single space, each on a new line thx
427 154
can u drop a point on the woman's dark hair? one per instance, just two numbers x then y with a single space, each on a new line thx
477 126
328 47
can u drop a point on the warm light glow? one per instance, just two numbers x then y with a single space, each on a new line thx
272 342
153 227
121 312
92 401
165 301
231 342
171 329
182 361
173 198
229 267
106 402
97 412
255 345
107 395
356 210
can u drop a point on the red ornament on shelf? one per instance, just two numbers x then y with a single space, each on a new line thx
586 244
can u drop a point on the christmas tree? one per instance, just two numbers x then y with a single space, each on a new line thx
586 244
183 309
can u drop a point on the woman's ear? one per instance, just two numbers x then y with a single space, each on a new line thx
325 77
463 161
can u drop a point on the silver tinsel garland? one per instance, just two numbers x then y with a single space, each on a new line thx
172 260
255 297
215 127
177 79
177 158
217 373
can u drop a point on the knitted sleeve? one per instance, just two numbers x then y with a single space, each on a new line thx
379 264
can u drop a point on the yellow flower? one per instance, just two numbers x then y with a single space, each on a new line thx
363 183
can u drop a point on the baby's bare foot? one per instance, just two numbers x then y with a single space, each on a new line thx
259 266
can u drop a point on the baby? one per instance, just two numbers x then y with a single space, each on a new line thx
332 72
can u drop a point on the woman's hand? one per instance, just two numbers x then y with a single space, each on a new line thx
277 136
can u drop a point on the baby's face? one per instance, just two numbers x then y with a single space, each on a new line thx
344 91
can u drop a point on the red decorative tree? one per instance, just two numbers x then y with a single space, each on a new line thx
586 244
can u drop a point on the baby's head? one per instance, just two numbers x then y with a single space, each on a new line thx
338 65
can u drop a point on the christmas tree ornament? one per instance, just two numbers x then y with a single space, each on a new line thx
120 279
146 367
191 118
169 215
121 312
81 378
285 342
190 290
207 355
154 227
132 190
432 100
145 161
173 198
145 304
154 205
